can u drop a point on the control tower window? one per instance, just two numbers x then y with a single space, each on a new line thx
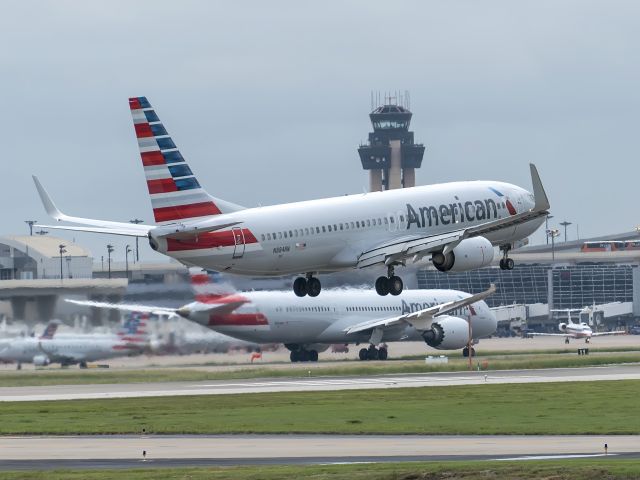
390 124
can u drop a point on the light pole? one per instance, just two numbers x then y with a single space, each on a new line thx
68 258
109 250
31 223
565 224
553 233
126 259
546 226
136 221
62 250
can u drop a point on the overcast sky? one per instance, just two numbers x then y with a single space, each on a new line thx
268 101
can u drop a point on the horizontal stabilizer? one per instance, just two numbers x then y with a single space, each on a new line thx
117 228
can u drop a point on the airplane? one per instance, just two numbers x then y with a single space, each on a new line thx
80 349
455 225
342 316
571 329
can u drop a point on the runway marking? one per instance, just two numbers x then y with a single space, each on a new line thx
556 457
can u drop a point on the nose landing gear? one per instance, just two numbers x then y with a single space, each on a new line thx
506 263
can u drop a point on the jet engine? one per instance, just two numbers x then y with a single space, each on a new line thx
41 361
447 333
469 254
562 327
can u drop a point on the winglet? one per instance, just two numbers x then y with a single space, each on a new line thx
49 206
542 202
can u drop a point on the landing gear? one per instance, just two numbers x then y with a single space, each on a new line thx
390 284
18 366
302 355
566 341
307 286
465 352
373 353
82 364
506 263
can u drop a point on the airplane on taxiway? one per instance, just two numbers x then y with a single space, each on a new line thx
440 318
456 225
131 339
570 329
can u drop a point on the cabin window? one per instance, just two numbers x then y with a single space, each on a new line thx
279 235
335 227
285 234
353 225
329 227
263 237
391 220
379 221
306 230
368 223
358 224
324 229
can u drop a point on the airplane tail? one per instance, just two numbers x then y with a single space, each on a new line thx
49 331
207 288
175 192
135 328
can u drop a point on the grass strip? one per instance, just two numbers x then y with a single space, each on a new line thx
104 376
605 407
578 469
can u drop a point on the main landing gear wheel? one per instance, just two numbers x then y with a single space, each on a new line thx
307 286
391 284
303 356
300 286
373 353
566 341
313 287
382 286
465 352
395 285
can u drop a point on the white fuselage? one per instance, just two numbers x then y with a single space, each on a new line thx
64 350
279 317
329 234
577 330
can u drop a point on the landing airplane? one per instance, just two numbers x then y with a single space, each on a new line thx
347 316
68 350
575 330
455 224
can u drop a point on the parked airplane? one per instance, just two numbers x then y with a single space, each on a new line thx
455 224
306 327
575 330
80 349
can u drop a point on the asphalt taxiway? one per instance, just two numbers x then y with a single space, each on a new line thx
126 451
221 387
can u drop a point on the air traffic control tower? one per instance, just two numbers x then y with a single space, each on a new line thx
391 156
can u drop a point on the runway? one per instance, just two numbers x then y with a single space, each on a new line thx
222 387
125 451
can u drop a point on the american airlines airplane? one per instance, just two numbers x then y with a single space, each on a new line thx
455 225
570 329
440 318
68 350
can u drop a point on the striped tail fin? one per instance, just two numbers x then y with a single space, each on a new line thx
50 330
175 192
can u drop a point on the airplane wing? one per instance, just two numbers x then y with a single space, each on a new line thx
186 311
421 320
616 332
177 231
415 247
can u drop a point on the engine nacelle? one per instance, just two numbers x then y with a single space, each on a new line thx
41 361
562 327
469 254
447 333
